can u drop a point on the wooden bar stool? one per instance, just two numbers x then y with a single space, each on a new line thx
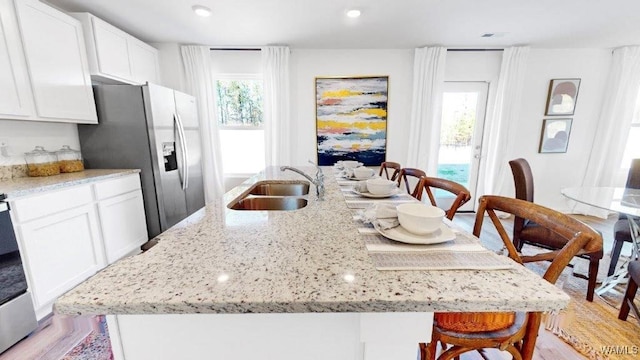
528 232
426 184
515 332
385 166
410 173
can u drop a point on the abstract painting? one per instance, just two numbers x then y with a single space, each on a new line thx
351 119
555 135
563 94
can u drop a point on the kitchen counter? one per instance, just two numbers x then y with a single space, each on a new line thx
18 187
285 285
227 261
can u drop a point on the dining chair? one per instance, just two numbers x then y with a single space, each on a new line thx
410 175
529 232
621 229
385 166
428 184
630 294
515 332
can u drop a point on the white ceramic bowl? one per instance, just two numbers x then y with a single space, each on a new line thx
419 218
351 164
380 186
363 172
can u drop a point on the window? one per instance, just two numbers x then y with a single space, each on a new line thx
632 150
239 106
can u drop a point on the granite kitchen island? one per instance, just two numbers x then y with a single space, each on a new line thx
234 284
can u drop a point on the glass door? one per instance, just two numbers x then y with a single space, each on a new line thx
463 113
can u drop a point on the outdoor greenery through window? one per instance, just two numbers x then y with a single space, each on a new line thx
239 102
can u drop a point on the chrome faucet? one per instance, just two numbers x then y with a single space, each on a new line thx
318 181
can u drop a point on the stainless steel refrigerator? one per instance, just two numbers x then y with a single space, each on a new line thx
156 130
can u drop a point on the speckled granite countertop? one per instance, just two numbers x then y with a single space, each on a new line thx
227 261
18 187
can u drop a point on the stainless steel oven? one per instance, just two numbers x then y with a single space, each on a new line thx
17 317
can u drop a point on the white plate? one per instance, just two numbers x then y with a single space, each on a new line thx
364 178
354 178
367 194
398 233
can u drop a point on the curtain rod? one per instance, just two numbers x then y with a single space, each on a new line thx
475 49
236 49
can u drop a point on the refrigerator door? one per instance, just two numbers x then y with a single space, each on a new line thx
169 167
121 141
187 111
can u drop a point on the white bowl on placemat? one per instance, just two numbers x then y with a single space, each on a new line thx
380 186
419 218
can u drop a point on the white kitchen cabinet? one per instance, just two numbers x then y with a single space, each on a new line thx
57 63
60 242
67 235
44 73
122 219
115 56
16 99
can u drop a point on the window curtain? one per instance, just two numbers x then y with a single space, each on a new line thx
426 109
275 72
498 133
197 65
614 122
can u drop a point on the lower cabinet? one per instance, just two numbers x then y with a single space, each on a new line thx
60 251
123 224
68 235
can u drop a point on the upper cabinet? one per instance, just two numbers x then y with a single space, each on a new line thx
115 56
43 66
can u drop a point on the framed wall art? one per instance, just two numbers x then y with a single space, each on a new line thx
562 97
351 119
555 135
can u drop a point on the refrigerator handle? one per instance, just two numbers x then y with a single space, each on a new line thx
185 155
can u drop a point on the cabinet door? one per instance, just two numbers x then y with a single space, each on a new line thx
60 251
123 223
112 49
56 58
144 62
15 92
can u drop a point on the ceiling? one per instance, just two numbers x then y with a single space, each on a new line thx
388 24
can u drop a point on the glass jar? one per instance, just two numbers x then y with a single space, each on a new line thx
41 162
70 160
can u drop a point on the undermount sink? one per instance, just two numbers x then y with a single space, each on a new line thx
270 188
273 195
269 203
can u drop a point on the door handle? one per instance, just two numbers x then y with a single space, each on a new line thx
183 150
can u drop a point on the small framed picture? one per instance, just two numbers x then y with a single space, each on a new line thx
562 97
555 135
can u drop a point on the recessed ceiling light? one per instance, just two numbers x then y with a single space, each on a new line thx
201 10
353 13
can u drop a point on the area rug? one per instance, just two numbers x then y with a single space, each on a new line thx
64 337
593 328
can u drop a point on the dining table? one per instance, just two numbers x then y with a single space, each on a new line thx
616 199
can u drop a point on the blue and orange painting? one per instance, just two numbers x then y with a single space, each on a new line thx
351 119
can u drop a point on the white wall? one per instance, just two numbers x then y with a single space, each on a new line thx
171 69
23 136
308 64
552 172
